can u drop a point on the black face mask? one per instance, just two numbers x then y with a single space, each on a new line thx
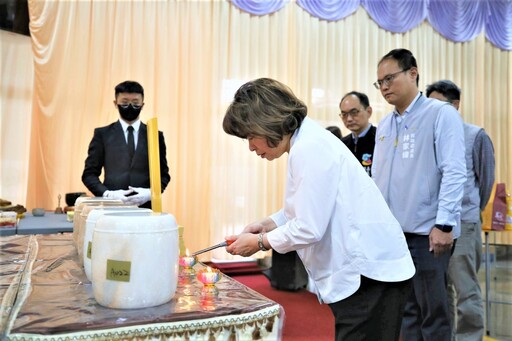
129 112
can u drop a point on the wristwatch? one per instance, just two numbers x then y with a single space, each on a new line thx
444 228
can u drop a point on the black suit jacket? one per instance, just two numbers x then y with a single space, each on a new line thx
363 150
108 150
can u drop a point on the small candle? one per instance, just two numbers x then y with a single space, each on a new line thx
209 276
187 261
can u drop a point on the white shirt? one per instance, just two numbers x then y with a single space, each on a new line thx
136 126
336 218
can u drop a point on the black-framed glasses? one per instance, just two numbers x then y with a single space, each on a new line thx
388 79
134 106
352 113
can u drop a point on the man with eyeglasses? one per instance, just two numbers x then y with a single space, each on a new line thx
419 166
121 151
465 295
355 112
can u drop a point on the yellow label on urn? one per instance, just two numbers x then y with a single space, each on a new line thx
89 248
118 270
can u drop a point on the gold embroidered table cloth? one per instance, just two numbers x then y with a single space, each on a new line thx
46 296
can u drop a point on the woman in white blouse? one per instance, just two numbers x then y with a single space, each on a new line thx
333 214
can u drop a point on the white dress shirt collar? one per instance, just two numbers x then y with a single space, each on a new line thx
135 125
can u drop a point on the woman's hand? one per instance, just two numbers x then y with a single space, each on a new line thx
245 244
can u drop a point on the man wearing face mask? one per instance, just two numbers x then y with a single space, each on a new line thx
121 150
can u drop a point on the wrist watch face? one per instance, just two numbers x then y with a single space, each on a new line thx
445 228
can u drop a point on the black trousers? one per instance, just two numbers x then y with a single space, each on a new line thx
373 312
427 314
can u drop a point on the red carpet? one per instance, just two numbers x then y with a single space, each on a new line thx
305 318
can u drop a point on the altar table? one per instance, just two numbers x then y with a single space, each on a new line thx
46 296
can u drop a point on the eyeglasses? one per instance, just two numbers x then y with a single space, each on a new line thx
388 79
351 113
134 106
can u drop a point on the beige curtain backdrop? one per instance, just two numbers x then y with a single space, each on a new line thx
16 84
191 56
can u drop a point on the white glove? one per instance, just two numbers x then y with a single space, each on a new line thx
143 196
119 194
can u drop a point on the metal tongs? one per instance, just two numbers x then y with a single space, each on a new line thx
224 243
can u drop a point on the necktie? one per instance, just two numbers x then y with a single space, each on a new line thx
131 142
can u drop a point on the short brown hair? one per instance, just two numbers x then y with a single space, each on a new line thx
265 108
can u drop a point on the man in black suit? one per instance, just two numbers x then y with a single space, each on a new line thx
121 149
355 112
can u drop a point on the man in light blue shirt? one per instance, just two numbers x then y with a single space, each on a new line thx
419 166
465 295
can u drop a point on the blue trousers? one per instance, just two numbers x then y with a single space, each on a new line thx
426 315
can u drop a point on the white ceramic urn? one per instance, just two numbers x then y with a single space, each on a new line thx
80 203
90 223
134 259
82 219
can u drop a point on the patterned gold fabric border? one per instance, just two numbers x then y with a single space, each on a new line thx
265 324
